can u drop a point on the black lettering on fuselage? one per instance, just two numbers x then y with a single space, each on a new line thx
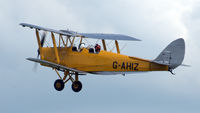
115 65
128 66
123 66
136 66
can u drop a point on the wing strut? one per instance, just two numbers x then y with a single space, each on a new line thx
104 45
117 46
55 48
38 38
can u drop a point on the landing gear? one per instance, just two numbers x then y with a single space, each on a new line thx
76 86
60 83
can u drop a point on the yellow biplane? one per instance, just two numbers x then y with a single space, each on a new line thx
73 60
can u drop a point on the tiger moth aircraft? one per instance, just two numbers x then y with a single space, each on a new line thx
64 56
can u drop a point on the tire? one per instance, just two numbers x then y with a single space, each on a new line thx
59 85
76 86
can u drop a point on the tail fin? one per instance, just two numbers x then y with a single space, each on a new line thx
173 54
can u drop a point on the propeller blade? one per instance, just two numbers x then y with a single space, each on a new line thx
38 51
35 67
42 43
43 39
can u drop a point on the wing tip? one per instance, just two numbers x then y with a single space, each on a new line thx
22 24
31 59
135 39
138 39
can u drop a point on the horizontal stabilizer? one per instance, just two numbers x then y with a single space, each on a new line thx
162 63
185 65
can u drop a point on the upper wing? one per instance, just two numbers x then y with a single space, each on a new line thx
86 35
108 36
46 29
54 65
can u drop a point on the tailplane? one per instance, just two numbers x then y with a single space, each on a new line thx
172 55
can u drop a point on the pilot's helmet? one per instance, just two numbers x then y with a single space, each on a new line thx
82 46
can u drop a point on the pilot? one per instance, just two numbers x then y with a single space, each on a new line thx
97 48
81 46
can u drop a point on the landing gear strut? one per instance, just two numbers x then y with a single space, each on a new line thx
59 84
76 85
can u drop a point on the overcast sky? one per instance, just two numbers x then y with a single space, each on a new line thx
155 22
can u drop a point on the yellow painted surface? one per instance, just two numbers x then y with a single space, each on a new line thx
55 48
98 62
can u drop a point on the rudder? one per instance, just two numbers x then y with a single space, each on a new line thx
173 54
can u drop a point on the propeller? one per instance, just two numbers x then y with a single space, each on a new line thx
42 43
43 37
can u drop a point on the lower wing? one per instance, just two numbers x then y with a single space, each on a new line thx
55 66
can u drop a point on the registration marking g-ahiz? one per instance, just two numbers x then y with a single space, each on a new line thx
126 66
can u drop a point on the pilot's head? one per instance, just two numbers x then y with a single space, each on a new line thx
82 46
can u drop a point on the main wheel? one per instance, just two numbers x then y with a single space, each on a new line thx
59 85
76 86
